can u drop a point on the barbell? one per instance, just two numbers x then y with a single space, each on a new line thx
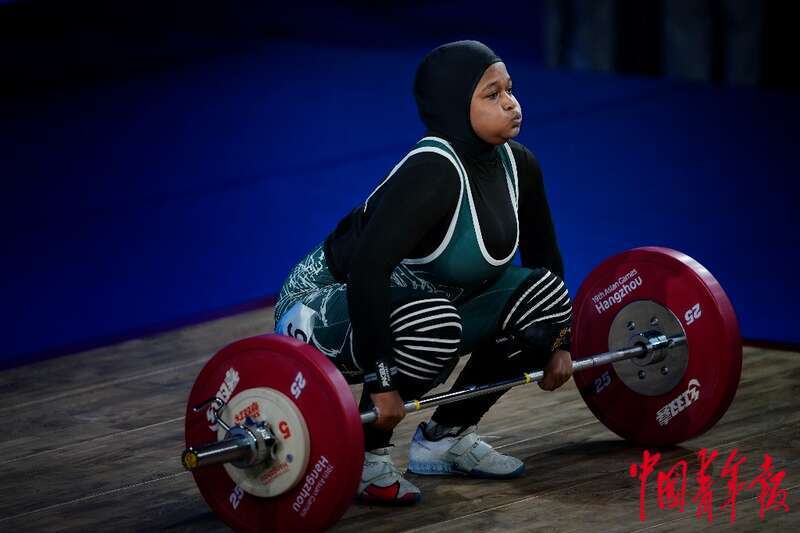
281 444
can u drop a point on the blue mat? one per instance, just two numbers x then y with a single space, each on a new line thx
133 205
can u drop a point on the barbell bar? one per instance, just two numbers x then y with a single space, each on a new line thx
242 446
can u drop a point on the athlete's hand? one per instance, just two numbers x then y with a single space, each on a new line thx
558 370
390 409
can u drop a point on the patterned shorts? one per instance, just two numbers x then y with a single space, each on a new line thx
312 306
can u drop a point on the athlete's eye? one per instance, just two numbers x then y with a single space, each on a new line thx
493 95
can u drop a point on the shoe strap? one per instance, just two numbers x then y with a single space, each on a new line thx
386 469
468 451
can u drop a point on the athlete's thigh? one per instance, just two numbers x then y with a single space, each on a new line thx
322 319
480 314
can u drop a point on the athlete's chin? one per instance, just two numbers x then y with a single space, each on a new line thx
510 133
502 137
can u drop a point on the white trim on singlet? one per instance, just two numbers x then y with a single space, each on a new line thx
512 192
515 199
415 151
451 229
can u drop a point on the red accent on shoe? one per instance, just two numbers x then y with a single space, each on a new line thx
389 494
383 493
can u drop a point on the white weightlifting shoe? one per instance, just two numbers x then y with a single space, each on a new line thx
383 483
450 451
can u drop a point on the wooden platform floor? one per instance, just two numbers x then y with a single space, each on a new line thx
91 442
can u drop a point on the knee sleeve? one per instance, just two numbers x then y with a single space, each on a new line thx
426 337
539 313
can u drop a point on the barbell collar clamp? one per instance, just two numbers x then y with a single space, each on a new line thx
243 447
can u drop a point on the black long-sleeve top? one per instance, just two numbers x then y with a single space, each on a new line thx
408 217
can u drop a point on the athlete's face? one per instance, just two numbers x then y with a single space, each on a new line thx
495 114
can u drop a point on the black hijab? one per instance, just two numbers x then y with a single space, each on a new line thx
443 88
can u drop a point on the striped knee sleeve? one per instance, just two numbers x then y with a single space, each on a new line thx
541 310
427 334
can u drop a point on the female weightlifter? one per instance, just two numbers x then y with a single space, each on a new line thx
421 273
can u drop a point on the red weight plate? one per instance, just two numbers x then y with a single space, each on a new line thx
323 397
679 283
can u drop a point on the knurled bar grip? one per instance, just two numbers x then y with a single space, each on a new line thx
533 377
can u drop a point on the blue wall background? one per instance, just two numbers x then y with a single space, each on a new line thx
134 204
